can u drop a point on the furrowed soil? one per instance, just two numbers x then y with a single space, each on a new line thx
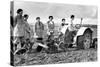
71 56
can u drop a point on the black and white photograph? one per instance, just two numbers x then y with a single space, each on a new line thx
52 33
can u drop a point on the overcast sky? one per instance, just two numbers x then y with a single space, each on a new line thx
59 11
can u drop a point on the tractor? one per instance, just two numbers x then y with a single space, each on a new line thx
80 38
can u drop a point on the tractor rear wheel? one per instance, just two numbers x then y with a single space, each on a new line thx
85 41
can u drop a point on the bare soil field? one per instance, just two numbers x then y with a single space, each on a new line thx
62 57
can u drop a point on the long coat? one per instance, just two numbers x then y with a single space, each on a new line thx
39 29
51 25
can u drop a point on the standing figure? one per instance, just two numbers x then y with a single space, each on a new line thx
19 26
50 24
70 33
27 27
50 28
39 30
63 22
64 26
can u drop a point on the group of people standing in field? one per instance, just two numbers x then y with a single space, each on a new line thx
21 28
39 26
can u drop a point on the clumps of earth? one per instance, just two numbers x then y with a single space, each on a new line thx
56 58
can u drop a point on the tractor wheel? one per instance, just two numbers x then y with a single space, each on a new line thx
85 41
